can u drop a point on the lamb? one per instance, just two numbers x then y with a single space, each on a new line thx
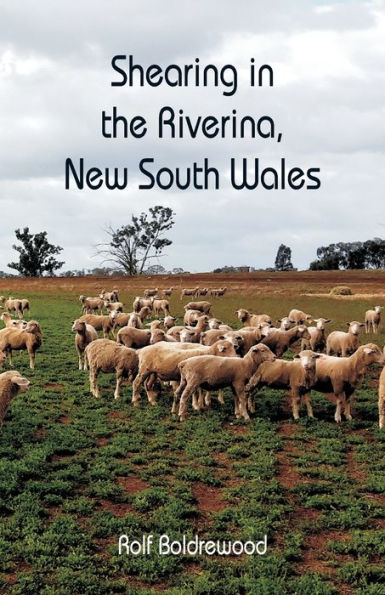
298 317
344 344
91 304
133 337
85 334
107 356
161 361
167 292
185 292
11 323
280 341
169 322
150 292
114 306
317 341
210 373
14 339
249 319
201 306
139 303
12 305
161 306
100 323
340 376
373 319
11 384
381 399
299 376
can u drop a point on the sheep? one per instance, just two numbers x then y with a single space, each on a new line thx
299 376
135 321
14 339
373 319
11 323
161 361
11 384
298 317
167 292
161 306
158 335
114 306
169 322
280 341
100 323
249 319
12 305
340 376
133 337
185 292
381 400
218 292
150 292
110 296
210 373
85 334
285 323
91 304
201 292
155 325
187 335
201 306
317 341
139 303
191 317
344 344
107 356
25 305
201 325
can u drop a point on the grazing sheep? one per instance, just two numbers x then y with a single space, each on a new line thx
317 341
161 361
167 292
11 323
91 304
160 306
85 334
299 376
169 322
218 292
211 373
201 306
373 319
139 303
11 384
12 305
298 317
249 319
114 306
150 292
25 305
14 339
185 292
110 296
107 356
381 399
133 337
340 376
344 344
280 341
100 323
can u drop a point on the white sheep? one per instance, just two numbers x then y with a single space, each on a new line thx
14 339
85 334
11 384
317 341
373 319
249 319
344 344
12 323
298 317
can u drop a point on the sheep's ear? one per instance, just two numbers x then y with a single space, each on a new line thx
221 348
369 350
279 319
296 356
221 338
348 324
317 355
362 324
328 320
20 381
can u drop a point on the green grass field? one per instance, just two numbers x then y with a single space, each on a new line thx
76 472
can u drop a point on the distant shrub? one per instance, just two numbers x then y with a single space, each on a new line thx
341 290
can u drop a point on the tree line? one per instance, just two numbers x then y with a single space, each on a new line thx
131 248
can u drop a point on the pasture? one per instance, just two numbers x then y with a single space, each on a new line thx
77 472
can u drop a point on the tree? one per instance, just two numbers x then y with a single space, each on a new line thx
132 245
36 254
283 259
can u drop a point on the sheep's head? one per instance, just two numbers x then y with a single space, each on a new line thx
214 323
237 340
225 348
371 354
377 309
320 323
157 335
242 314
285 323
79 326
33 327
262 353
308 359
81 298
3 358
20 383
186 336
354 327
302 332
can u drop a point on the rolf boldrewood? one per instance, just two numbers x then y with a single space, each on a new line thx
190 547
244 174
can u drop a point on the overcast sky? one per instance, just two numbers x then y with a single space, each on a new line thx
328 100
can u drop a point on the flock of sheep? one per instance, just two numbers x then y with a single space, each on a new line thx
203 355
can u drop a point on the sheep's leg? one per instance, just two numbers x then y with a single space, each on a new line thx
208 398
9 352
187 392
80 359
177 394
240 395
309 408
32 357
93 382
152 393
119 378
221 397
381 408
347 410
251 403
139 380
340 398
295 401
